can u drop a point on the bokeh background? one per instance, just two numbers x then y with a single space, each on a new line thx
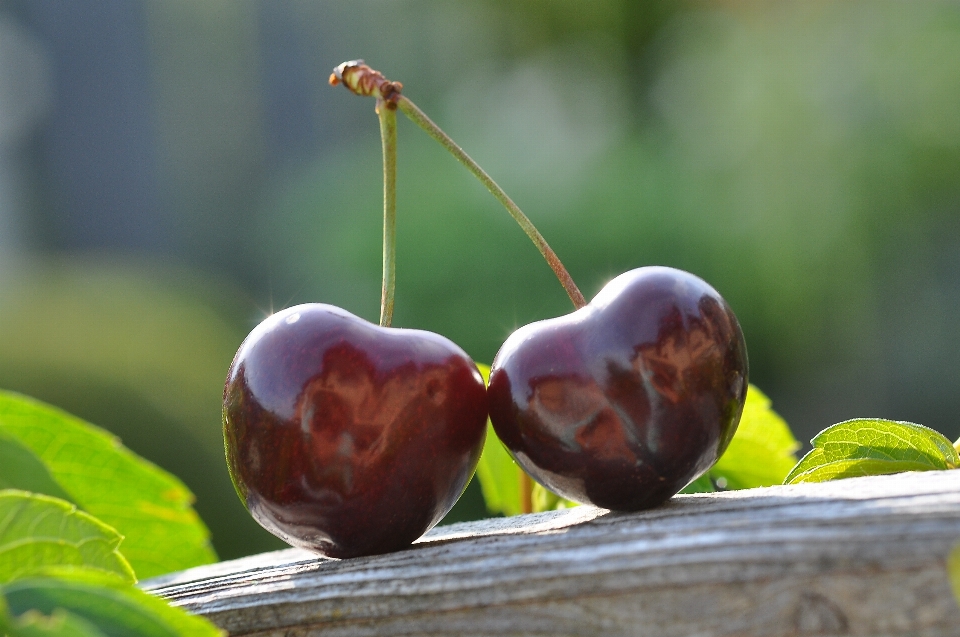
173 170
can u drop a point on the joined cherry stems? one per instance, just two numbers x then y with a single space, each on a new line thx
365 81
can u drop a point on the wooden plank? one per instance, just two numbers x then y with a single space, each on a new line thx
863 556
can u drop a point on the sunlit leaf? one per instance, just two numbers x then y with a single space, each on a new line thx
499 476
873 447
545 500
106 602
147 505
762 451
37 531
20 468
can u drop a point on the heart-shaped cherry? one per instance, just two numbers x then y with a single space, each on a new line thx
627 400
348 438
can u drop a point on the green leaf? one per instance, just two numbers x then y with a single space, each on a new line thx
150 507
37 531
865 447
762 451
106 602
543 499
499 476
21 469
34 624
953 570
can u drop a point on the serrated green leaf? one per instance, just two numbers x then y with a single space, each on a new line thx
888 439
106 602
854 468
953 571
38 531
814 458
762 451
149 506
864 447
21 469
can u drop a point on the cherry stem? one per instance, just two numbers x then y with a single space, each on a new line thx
388 136
526 492
365 81
420 118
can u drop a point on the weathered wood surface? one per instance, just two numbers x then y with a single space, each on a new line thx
864 556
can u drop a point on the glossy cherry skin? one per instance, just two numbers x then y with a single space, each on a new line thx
348 438
627 400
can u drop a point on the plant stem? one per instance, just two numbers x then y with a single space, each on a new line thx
420 119
388 136
526 492
362 80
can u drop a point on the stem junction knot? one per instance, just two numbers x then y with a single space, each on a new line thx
366 82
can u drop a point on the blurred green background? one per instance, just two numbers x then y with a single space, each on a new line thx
173 170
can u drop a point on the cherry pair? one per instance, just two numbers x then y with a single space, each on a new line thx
353 439
350 438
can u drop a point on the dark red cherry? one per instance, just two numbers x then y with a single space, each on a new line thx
624 402
348 438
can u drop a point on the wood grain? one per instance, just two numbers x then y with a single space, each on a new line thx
863 556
